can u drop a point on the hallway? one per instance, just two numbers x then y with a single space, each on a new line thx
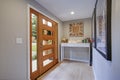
15 38
69 70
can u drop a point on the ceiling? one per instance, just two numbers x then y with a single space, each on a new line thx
62 8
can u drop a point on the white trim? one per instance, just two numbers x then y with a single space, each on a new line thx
94 72
30 6
77 60
28 39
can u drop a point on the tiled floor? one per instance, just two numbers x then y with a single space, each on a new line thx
69 70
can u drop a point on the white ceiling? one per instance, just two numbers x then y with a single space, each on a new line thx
62 8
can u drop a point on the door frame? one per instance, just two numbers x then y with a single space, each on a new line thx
28 36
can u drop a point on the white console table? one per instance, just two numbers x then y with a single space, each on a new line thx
71 45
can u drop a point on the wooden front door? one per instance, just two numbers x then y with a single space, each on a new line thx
43 43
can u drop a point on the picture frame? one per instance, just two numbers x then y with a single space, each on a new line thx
92 44
93 28
103 28
76 29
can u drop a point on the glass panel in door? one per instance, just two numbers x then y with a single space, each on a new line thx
34 42
34 68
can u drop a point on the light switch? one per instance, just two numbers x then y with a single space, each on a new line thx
19 40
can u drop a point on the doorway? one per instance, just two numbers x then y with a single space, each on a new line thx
43 43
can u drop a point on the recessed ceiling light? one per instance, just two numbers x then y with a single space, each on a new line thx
72 12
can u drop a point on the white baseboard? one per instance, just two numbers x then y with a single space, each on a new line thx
94 73
77 60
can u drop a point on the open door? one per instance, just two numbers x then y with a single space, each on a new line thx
43 43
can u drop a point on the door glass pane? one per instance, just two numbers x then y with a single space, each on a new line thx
49 24
34 42
47 61
46 52
44 21
47 32
47 42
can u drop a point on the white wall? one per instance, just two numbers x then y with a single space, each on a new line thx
87 28
80 54
103 69
14 23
